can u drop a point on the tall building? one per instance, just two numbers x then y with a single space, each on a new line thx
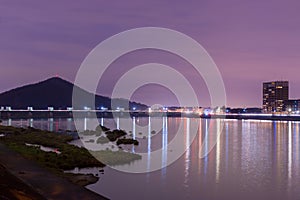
274 95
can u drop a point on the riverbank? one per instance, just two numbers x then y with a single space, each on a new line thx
44 171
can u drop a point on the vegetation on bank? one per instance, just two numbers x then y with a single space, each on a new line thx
102 140
111 136
114 158
27 142
104 135
98 132
115 134
70 157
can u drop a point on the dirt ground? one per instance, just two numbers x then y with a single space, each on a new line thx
13 188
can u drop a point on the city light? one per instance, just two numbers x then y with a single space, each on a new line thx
86 108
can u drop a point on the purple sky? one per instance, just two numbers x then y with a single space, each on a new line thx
250 41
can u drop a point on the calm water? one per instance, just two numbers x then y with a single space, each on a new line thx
252 160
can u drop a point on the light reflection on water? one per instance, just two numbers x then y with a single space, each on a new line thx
164 151
187 154
252 160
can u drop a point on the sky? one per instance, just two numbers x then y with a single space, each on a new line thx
250 42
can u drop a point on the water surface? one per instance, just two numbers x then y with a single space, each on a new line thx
252 160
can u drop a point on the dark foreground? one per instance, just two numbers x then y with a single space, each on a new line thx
30 173
24 179
13 188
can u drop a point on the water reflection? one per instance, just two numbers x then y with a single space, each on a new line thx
149 145
102 121
50 124
296 149
118 122
85 123
133 133
199 145
251 160
206 137
30 122
164 157
280 149
187 153
69 124
226 146
289 154
218 153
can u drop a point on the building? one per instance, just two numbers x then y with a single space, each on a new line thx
292 105
275 93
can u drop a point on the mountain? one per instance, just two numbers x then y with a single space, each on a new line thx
57 93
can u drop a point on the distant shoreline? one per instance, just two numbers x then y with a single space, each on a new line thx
123 114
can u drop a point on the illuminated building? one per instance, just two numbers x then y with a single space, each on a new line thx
275 93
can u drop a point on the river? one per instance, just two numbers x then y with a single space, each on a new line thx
249 159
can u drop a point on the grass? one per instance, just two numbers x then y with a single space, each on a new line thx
114 158
102 140
91 133
115 134
71 156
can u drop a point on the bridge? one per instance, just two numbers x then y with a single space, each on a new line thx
67 113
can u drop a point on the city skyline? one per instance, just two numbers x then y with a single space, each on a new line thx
251 42
275 96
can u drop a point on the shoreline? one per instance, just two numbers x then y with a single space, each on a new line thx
50 186
22 165
4 115
29 154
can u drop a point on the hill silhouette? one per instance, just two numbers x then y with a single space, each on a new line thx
57 93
